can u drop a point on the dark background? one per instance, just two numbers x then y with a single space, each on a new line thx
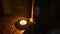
48 22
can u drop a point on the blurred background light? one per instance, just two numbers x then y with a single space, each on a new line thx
31 20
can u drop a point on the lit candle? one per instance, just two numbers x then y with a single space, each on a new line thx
23 22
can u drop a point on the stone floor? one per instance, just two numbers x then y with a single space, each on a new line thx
7 24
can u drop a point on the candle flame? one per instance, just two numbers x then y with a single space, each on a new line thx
23 22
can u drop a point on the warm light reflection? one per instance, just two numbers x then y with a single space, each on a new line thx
22 31
32 12
31 20
23 22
